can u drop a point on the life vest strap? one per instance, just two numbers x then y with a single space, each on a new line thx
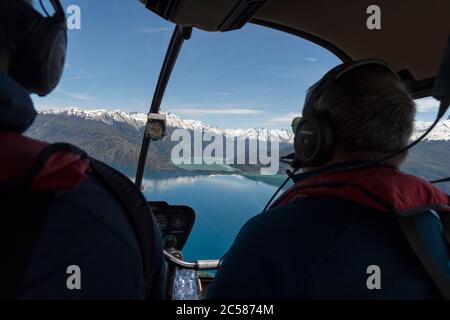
440 278
139 214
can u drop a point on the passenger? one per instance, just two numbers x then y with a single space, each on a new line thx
338 240
85 245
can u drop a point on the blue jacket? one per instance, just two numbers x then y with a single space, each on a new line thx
86 227
322 248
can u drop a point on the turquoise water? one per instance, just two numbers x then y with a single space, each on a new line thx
223 203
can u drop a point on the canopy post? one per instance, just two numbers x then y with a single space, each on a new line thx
180 34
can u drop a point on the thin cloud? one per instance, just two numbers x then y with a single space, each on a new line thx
150 30
311 59
75 95
81 77
223 111
284 120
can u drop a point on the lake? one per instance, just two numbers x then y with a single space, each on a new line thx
222 202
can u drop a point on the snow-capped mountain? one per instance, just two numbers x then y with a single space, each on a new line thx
138 120
440 133
108 117
115 137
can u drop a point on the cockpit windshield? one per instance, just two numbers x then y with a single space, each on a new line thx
229 108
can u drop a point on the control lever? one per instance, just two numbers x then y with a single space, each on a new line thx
174 257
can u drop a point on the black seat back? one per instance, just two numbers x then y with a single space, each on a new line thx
23 214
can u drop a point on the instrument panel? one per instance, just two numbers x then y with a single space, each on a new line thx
175 223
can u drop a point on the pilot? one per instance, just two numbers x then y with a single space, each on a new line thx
85 246
333 234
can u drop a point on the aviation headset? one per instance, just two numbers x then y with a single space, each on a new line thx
314 139
39 54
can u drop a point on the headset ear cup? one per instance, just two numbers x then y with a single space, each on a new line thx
327 142
39 64
53 59
313 143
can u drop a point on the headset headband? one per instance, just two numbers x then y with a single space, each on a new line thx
345 68
11 35
335 74
59 10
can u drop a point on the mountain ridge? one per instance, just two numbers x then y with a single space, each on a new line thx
115 137
138 120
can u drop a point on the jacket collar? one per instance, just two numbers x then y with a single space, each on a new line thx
334 166
383 188
62 170
17 112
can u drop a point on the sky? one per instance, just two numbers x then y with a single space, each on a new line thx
254 77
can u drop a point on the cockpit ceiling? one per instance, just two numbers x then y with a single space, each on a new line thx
412 38
413 34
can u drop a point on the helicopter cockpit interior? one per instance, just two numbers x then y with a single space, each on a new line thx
417 57
409 39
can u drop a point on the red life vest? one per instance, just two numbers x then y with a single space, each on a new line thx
61 170
58 167
382 188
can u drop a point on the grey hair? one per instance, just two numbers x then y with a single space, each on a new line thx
372 111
